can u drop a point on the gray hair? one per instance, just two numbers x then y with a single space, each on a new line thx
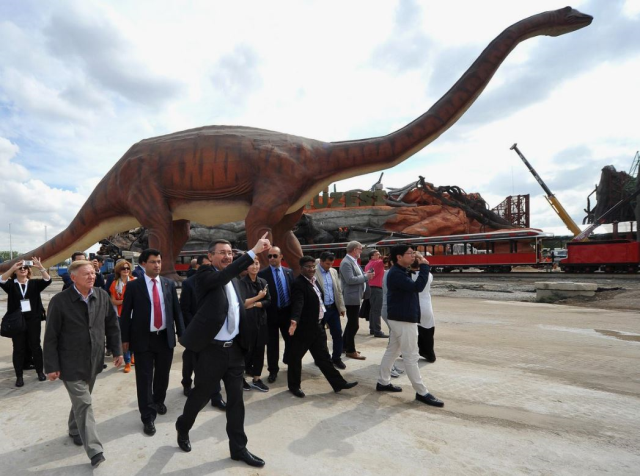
77 264
352 245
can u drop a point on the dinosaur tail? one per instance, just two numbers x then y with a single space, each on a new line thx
98 217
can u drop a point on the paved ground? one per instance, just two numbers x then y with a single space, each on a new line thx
529 389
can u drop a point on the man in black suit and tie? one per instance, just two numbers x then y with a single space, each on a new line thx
221 335
189 307
307 332
149 321
279 280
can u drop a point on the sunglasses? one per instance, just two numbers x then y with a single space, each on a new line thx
126 269
273 256
23 268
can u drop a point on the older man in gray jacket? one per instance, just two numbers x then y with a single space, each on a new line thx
353 285
75 313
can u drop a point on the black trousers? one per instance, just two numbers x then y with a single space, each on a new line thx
425 343
189 359
351 329
316 343
215 363
152 375
254 361
277 327
29 340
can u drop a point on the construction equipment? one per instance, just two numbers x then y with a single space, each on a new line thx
602 218
553 201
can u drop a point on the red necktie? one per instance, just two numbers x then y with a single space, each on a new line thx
157 307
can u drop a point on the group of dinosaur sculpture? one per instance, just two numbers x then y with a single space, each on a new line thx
219 174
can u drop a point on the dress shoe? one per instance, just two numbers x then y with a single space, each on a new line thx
272 377
186 390
429 400
19 382
388 388
381 335
356 355
104 366
346 386
97 459
298 393
220 404
250 459
183 440
161 408
76 439
339 364
42 377
149 428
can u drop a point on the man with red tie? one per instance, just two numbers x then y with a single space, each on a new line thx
149 321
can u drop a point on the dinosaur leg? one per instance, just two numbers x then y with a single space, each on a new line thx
181 232
152 212
260 221
289 245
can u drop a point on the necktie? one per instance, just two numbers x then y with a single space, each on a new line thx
157 307
281 297
231 323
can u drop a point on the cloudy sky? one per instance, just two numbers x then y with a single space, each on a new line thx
82 80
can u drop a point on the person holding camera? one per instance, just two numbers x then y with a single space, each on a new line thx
24 294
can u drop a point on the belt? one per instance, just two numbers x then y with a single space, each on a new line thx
329 306
222 343
163 331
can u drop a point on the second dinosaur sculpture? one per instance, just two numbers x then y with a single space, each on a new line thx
219 174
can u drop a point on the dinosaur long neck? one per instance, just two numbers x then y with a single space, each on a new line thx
374 154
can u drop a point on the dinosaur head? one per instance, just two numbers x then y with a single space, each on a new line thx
566 20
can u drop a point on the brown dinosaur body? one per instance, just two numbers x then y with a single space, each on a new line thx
219 174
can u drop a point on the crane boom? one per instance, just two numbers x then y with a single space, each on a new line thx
553 201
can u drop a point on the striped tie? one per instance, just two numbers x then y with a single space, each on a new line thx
281 297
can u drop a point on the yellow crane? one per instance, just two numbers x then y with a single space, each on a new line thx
553 201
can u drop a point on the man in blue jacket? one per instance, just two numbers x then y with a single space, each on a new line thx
403 315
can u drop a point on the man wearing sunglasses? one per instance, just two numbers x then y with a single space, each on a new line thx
279 279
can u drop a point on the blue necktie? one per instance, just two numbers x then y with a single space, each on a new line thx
281 297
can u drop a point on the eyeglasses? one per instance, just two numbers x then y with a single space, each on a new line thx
310 267
410 253
273 256
23 268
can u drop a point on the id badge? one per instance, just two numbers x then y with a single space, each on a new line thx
25 305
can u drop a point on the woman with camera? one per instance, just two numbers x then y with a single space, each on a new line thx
24 294
121 276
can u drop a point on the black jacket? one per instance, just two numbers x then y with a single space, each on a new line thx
267 275
251 289
135 320
403 303
34 288
305 308
213 306
188 302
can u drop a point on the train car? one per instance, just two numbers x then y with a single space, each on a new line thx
612 256
497 251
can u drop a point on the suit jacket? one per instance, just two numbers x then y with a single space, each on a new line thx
14 296
305 308
213 306
337 287
267 275
403 303
353 283
135 319
75 332
188 302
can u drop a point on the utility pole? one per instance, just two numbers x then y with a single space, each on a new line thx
10 244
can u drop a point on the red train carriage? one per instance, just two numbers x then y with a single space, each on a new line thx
608 256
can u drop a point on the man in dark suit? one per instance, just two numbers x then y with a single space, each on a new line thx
307 332
279 280
189 307
221 335
149 321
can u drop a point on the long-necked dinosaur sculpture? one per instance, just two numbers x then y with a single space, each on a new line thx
219 174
